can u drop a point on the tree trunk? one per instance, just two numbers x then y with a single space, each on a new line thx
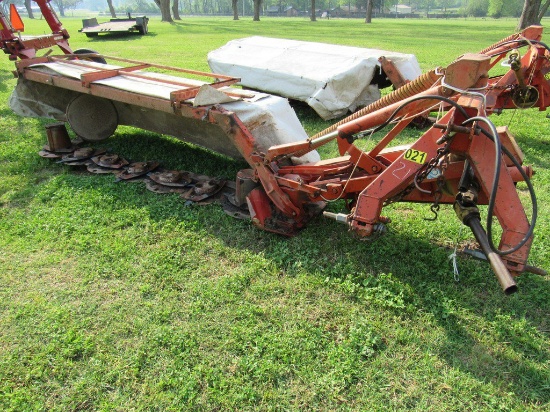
176 9
368 19
111 8
28 6
313 17
257 4
235 6
530 14
543 10
61 8
164 6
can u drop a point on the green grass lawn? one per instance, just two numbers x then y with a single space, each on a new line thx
114 298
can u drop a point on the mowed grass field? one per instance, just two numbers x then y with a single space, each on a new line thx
115 298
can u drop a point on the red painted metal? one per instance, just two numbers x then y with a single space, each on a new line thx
24 48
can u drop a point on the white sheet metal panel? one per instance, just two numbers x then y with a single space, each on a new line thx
332 79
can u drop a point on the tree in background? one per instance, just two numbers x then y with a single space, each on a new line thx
500 8
428 5
176 9
444 4
142 6
477 8
257 8
28 6
532 13
368 18
235 7
164 6
111 8
65 4
312 16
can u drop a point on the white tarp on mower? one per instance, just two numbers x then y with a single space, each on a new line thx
331 79
270 119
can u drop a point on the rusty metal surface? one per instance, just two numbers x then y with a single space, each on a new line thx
429 170
82 154
18 47
136 169
193 188
204 189
171 178
107 163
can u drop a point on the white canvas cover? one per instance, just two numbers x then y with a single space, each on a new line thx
331 79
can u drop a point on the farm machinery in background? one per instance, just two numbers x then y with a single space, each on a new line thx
127 25
462 159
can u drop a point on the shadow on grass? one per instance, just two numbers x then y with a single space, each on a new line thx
521 367
326 250
538 146
4 77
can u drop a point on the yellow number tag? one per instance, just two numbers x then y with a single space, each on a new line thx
1 27
416 156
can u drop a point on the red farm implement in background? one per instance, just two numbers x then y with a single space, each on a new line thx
462 159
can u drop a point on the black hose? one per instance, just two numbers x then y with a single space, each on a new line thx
414 99
526 42
490 208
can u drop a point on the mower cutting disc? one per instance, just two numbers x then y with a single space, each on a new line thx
81 154
204 189
46 154
173 178
109 163
159 188
137 169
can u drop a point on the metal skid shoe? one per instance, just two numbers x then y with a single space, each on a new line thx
267 217
59 142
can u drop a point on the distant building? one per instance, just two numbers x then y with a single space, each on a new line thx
401 9
291 12
347 11
273 11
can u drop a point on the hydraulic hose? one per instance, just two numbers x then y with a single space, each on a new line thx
537 42
511 38
490 208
